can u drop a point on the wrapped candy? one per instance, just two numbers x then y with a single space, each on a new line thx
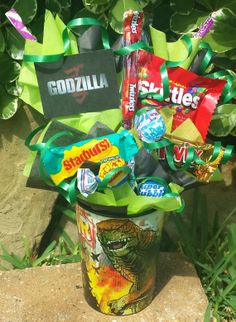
191 96
150 126
86 181
132 33
111 151
151 188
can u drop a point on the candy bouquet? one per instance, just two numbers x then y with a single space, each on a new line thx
123 167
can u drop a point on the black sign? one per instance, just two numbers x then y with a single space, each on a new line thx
78 83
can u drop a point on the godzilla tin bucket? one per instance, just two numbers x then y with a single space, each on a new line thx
119 259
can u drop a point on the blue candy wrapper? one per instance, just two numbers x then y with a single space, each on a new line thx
151 189
150 126
86 181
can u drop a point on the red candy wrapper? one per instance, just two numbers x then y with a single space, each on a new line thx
132 33
191 96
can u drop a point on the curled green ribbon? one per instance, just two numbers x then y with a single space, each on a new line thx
132 47
65 36
68 190
187 41
165 85
228 91
207 57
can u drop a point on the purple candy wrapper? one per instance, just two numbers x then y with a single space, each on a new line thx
17 22
204 28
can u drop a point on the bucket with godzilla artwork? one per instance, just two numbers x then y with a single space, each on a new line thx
119 259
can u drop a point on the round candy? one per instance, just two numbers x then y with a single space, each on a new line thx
86 181
151 189
150 126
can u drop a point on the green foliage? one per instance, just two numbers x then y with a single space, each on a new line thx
174 17
61 252
57 252
212 249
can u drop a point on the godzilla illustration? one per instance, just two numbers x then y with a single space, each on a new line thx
132 252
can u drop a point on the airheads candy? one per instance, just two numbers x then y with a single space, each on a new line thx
191 96
111 151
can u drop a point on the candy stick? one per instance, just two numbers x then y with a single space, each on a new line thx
202 32
17 22
204 28
132 33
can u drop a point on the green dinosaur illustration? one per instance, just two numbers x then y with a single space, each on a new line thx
132 251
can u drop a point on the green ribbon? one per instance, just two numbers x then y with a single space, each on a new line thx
65 36
165 85
228 91
37 146
132 47
68 190
207 57
187 41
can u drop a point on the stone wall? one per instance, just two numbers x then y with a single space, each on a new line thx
23 211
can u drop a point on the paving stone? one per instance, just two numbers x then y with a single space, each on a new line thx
55 294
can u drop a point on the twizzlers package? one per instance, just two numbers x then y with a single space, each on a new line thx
191 96
132 33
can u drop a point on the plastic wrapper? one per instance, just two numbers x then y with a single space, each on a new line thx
151 188
109 151
132 33
191 96
150 126
86 181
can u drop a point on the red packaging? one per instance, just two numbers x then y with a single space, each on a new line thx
191 96
132 33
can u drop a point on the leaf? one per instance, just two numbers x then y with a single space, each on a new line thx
231 54
9 69
232 241
27 9
215 45
53 5
96 8
143 3
8 104
13 89
207 316
117 12
224 62
161 19
67 212
45 254
232 300
233 132
223 120
2 42
182 6
216 4
11 258
224 27
15 43
181 23
4 8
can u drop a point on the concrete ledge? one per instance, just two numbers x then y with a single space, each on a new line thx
55 294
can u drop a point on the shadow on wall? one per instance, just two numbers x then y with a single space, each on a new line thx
20 124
